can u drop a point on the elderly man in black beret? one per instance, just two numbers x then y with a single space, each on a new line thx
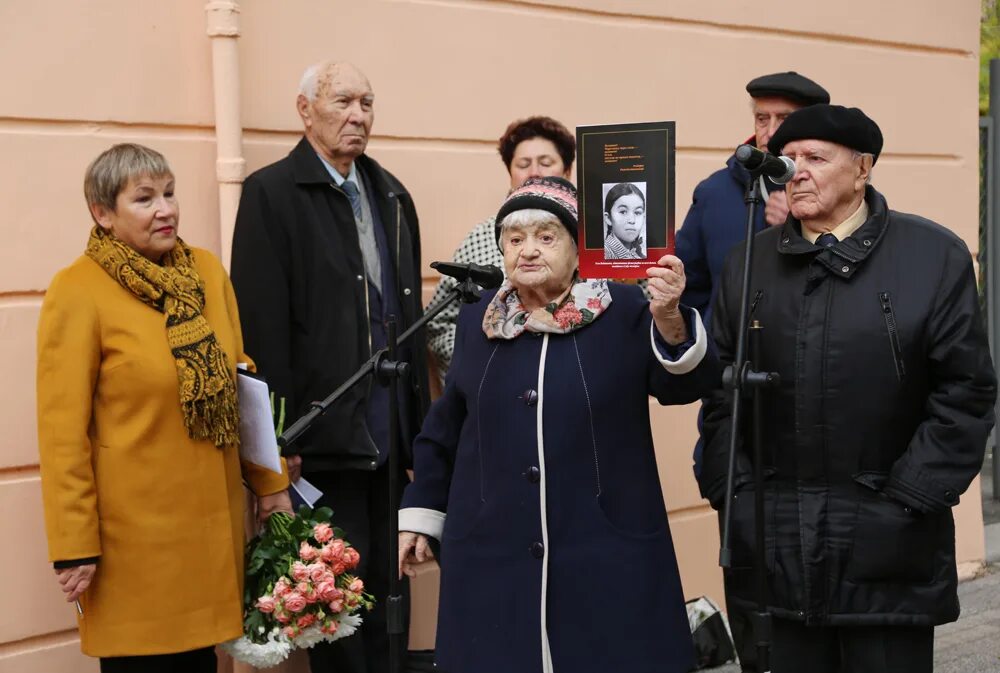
879 423
716 222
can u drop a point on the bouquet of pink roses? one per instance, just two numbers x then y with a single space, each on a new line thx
298 589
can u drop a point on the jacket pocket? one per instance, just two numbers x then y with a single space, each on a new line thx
885 302
892 543
636 530
742 534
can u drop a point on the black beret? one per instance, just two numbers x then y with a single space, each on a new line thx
849 127
790 85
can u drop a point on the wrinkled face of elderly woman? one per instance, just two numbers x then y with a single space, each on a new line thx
145 215
627 217
539 255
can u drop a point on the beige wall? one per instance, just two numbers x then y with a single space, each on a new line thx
449 75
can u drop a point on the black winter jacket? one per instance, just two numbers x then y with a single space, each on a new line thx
878 425
302 291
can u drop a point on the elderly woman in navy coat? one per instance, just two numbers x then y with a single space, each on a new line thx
536 470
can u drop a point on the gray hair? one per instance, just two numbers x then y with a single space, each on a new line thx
310 79
110 172
525 218
857 155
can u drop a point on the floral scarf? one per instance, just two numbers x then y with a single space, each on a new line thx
581 304
207 390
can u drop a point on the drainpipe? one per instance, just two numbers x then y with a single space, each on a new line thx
993 236
223 27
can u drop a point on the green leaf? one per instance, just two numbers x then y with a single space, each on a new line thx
323 515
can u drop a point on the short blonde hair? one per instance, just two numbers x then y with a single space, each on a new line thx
109 173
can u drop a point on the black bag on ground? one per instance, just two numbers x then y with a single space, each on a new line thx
713 645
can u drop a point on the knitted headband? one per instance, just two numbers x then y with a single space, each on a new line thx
553 194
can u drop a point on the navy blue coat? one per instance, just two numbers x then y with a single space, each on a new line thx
536 470
715 223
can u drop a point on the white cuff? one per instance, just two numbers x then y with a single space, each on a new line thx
422 520
692 357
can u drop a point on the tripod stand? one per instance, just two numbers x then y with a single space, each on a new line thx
743 381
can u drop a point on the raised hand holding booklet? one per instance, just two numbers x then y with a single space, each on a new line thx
625 181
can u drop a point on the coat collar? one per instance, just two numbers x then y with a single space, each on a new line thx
307 169
738 172
848 255
741 175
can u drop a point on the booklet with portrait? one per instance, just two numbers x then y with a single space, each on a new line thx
625 182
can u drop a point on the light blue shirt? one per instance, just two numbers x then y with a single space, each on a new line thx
365 224
352 175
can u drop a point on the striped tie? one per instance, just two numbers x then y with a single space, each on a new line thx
354 195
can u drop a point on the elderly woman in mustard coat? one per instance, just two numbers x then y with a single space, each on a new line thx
142 482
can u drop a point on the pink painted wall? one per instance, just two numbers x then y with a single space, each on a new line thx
448 75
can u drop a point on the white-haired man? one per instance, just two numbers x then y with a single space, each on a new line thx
879 424
326 247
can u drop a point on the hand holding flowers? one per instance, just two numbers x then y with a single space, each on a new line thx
299 590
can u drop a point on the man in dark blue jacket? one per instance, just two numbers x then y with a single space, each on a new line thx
716 222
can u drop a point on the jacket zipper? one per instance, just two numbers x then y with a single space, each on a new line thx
890 324
399 281
753 306
368 328
364 275
368 311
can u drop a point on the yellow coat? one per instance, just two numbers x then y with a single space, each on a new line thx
122 480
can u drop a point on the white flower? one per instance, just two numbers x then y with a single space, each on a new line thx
278 646
309 637
347 626
260 655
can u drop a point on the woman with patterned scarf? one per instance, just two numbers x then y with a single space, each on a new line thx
138 427
535 469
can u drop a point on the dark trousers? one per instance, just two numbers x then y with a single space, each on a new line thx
851 649
744 638
360 504
194 661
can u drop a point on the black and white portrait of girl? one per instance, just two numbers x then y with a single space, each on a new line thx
625 220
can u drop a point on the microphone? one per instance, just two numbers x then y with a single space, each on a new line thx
486 277
779 169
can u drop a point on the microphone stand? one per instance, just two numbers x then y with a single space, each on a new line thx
388 371
742 380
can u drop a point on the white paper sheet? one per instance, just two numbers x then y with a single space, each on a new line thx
257 441
306 491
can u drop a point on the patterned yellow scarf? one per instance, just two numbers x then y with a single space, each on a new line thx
207 391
